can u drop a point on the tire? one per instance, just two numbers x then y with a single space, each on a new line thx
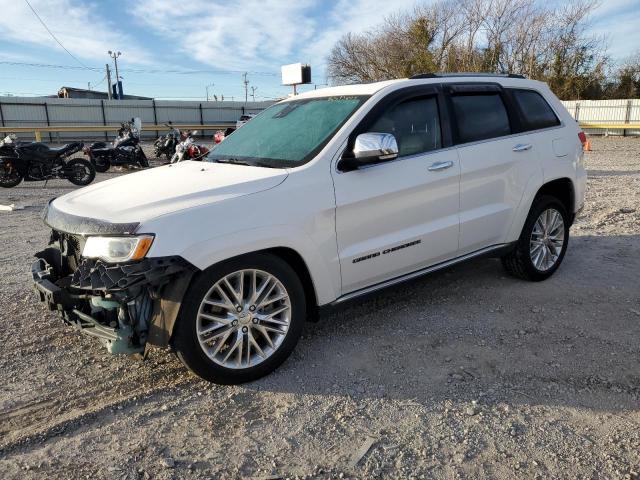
537 256
142 159
9 177
189 338
74 166
101 167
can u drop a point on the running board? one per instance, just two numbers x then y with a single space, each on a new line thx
419 273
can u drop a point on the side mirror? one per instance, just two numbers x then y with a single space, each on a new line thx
369 149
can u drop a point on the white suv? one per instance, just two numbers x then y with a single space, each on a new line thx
320 199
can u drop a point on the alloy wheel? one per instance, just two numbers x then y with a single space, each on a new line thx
243 318
547 239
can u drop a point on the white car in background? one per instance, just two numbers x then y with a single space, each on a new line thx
321 199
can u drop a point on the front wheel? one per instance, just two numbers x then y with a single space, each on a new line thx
9 176
240 319
543 241
80 171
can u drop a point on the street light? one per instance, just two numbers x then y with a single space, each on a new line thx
115 56
207 88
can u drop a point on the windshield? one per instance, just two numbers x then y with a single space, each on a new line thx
287 134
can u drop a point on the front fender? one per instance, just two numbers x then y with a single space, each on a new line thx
209 252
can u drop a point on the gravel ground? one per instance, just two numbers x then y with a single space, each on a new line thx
464 374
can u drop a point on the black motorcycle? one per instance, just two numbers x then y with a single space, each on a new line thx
37 162
166 144
125 150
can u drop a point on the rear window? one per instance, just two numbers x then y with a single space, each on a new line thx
480 116
534 110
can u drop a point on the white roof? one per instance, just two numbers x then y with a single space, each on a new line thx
357 89
371 88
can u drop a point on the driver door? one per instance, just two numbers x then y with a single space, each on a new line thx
399 216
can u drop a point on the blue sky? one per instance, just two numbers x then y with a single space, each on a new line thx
221 39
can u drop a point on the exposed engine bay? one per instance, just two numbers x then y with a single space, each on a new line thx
121 303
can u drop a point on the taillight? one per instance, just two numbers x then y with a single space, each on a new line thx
583 138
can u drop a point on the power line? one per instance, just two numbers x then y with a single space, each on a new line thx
52 35
46 65
137 70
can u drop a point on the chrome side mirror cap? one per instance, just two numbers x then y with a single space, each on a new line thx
369 149
382 146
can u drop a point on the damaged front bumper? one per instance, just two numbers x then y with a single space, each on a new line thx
128 306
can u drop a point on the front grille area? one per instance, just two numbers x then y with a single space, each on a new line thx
70 247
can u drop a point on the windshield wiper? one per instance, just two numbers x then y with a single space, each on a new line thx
235 161
238 161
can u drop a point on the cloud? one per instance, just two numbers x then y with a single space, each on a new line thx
261 34
232 35
80 29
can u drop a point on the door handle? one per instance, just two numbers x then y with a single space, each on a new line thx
521 147
434 167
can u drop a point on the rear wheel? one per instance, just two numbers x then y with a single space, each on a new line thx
240 319
9 176
80 171
543 241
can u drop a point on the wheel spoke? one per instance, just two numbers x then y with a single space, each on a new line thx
215 318
225 298
269 301
224 306
265 334
237 344
252 342
222 330
260 293
222 341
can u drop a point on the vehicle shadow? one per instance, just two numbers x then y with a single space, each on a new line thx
474 333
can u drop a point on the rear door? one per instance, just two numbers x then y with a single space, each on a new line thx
496 163
396 217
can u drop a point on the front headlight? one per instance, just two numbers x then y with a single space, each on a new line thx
117 249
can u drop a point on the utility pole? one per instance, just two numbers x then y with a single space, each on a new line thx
246 87
89 85
115 56
253 93
108 81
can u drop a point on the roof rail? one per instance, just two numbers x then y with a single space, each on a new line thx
466 74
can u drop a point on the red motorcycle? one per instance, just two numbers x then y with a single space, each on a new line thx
188 150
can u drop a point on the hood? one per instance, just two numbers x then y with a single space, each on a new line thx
140 196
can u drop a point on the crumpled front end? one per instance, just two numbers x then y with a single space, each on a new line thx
129 306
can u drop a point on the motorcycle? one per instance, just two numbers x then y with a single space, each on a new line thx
166 144
37 162
188 150
125 149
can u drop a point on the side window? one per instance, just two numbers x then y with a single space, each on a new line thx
480 116
536 112
415 124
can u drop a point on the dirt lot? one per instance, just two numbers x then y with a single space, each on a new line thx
465 374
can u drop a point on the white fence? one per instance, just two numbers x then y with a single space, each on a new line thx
29 111
606 111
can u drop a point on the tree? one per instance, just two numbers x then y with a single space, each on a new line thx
541 41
